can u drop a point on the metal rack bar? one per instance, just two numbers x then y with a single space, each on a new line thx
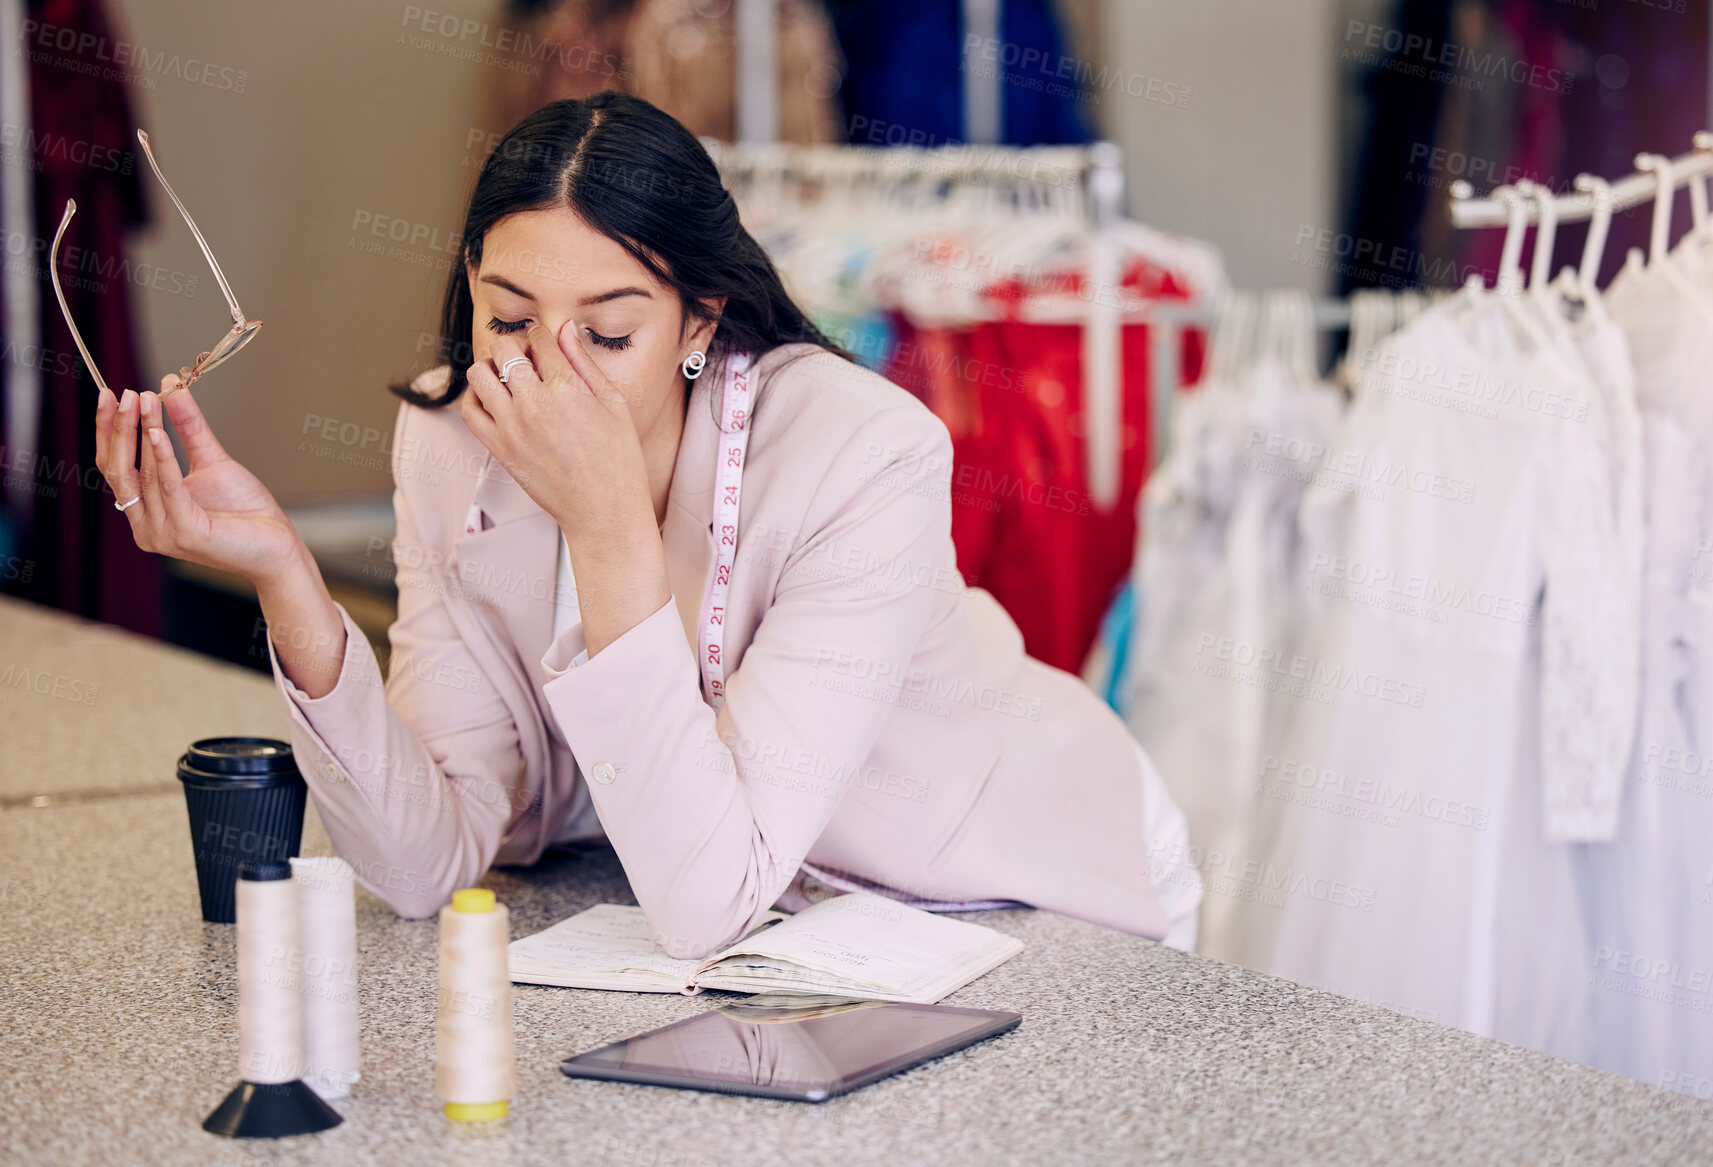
1468 211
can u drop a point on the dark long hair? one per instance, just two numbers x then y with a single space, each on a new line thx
636 175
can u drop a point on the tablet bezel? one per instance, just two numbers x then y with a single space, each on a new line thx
995 1023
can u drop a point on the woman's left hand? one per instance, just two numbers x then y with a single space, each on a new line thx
562 430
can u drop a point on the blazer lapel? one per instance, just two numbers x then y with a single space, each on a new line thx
688 533
511 564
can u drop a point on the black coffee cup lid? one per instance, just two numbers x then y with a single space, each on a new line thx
239 755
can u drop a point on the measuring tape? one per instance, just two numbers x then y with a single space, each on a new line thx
728 491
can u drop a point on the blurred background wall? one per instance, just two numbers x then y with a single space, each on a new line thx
356 127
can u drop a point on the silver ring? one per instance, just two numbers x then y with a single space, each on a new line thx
505 369
119 506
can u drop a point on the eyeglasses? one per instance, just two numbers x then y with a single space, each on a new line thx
237 338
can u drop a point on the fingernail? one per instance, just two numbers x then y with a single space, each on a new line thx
125 399
155 437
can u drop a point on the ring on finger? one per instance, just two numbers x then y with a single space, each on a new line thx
119 506
505 369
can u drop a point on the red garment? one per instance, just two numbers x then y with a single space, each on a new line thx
83 555
1011 394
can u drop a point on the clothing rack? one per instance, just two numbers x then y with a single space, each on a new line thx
1496 210
1167 322
1098 168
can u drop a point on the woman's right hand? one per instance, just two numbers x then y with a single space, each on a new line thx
219 514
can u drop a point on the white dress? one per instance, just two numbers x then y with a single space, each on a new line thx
1410 850
1650 961
1214 572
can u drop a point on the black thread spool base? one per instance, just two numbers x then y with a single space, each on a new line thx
272 1111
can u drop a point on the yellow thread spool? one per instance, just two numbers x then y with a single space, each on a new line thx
474 1032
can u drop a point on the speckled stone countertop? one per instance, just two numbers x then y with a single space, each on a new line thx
120 1018
69 688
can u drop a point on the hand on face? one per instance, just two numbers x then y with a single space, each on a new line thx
559 426
598 408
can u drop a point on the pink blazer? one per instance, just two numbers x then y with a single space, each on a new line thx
881 720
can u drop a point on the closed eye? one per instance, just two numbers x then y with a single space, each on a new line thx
616 343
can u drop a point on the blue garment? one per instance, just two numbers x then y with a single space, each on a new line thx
904 79
868 337
1116 629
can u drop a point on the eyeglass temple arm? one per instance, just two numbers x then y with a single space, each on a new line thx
219 276
53 272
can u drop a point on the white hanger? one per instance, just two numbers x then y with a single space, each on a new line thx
1270 331
1660 258
1540 270
1386 315
1307 364
1599 220
1510 282
1659 241
1292 314
1515 199
1366 307
1474 285
1233 336
1347 371
1359 330
1698 188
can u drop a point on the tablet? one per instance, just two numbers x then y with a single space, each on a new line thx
787 1046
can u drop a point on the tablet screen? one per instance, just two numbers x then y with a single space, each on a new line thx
791 1047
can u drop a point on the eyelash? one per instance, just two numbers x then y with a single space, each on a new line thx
615 343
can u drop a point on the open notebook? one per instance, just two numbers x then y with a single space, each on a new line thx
855 945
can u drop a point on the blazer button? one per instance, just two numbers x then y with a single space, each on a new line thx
333 772
603 772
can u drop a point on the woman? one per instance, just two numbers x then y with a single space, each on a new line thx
878 723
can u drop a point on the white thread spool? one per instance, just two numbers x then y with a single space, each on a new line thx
270 1006
473 1039
327 920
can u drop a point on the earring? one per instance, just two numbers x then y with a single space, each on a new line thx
694 363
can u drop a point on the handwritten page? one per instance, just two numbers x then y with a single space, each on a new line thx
609 946
858 945
866 944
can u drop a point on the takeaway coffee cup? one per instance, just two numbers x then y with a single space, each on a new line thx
245 799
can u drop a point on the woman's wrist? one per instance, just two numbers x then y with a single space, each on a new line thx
304 625
621 579
296 574
619 529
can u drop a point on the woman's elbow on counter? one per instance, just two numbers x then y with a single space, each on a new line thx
416 876
414 902
412 894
